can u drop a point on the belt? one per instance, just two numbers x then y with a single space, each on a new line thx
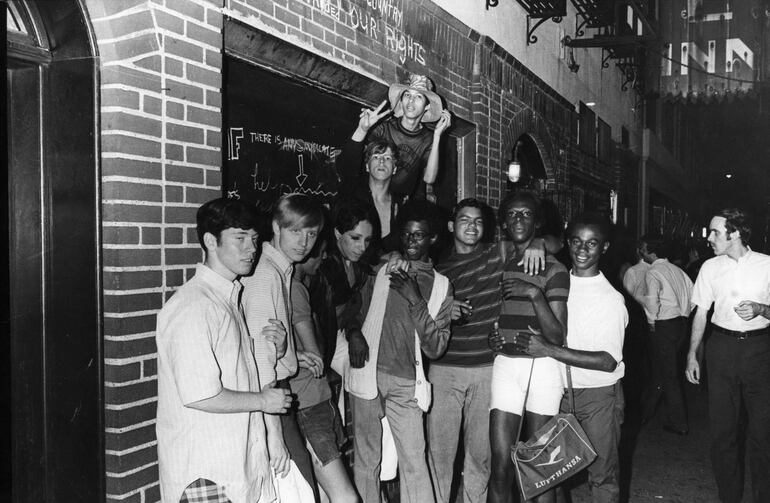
743 335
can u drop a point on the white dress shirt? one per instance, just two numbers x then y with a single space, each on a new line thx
633 280
204 346
668 291
726 282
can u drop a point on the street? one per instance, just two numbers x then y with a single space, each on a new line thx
664 467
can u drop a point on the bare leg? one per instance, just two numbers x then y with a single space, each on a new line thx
502 431
335 482
532 424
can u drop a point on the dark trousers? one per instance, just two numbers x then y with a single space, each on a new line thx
600 413
739 376
665 349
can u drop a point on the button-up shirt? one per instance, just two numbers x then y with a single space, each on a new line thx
633 280
203 347
267 295
668 291
725 282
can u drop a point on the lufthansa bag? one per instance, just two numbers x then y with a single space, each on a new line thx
559 450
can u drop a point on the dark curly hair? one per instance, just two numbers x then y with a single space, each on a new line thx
420 210
737 219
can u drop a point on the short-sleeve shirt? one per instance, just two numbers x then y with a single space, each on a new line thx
266 295
518 313
597 322
726 282
413 151
203 347
309 389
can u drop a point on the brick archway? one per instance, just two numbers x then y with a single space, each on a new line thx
528 122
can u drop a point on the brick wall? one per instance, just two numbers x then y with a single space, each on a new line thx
160 68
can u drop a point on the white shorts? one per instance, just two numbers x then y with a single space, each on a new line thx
509 385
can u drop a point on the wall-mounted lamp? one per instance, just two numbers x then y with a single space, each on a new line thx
514 166
571 63
514 171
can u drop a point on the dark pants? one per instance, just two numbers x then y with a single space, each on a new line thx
600 413
739 376
666 345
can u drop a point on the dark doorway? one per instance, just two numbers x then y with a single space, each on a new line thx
51 297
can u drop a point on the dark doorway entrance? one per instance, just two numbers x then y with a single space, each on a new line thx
51 294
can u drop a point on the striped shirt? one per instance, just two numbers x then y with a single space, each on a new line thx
475 276
267 295
518 313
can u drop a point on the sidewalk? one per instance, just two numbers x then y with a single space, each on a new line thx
666 467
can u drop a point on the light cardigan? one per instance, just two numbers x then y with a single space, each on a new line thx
362 382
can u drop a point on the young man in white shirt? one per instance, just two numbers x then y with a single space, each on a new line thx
594 351
296 222
737 283
210 427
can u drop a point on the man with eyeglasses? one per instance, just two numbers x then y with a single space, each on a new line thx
404 307
530 303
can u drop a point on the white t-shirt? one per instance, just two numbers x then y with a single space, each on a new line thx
596 321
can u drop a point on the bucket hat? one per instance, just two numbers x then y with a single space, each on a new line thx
422 84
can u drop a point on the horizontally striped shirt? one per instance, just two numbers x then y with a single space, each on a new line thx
518 313
476 277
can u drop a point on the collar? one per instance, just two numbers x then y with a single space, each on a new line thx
586 279
659 261
228 289
282 263
746 257
420 265
405 131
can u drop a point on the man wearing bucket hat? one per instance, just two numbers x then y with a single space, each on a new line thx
412 104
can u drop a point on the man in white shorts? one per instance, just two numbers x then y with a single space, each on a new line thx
536 302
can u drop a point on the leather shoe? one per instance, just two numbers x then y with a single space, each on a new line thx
676 431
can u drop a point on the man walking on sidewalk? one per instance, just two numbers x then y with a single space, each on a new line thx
667 293
737 283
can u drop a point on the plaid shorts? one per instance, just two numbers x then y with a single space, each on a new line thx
204 491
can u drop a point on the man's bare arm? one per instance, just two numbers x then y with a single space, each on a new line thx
696 336
227 401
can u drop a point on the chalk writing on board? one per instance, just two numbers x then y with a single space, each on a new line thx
271 164
233 142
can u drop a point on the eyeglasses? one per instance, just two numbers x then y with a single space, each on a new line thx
591 244
416 235
523 214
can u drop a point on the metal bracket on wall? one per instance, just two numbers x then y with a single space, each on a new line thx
531 38
606 58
